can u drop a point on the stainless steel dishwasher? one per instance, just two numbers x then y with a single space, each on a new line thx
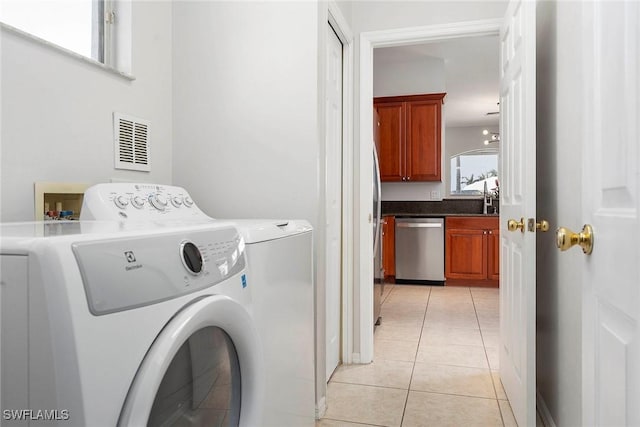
420 250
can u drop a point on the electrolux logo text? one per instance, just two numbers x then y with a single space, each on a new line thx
131 258
35 415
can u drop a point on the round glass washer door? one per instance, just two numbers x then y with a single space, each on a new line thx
202 370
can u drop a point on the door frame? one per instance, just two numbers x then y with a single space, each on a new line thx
363 303
330 13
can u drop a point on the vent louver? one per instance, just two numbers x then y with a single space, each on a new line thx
131 143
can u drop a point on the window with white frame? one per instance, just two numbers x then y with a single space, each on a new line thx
81 26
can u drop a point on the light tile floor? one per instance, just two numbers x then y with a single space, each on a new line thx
436 362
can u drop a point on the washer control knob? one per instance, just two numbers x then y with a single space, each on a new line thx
176 201
137 202
191 258
187 201
120 202
158 201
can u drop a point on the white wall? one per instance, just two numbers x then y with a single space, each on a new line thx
423 75
56 111
245 118
559 293
247 139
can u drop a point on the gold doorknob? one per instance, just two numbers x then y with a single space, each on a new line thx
543 225
566 238
513 225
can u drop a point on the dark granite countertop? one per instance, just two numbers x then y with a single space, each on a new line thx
426 209
436 215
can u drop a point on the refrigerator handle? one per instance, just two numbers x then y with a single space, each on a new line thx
378 190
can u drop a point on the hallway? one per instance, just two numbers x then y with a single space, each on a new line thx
436 363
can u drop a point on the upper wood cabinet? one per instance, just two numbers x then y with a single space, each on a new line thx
410 137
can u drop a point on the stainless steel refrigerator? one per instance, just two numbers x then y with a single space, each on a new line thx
378 270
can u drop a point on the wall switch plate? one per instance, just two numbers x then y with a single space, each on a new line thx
435 195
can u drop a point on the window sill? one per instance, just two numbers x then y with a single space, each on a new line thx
64 51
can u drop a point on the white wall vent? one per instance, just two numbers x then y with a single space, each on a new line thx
131 134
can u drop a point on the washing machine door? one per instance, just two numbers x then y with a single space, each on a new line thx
204 369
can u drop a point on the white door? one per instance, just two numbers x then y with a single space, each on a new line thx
333 166
611 198
518 200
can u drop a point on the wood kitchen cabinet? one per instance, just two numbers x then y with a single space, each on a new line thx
389 246
410 137
472 251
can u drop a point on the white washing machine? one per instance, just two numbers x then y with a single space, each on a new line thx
110 323
280 270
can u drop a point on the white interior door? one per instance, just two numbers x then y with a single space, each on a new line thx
611 183
333 198
518 200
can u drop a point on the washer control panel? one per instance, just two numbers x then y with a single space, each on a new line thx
123 201
123 273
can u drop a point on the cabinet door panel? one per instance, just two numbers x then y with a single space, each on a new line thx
493 249
389 247
466 254
423 141
391 144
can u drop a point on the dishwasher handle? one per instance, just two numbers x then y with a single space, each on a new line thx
419 224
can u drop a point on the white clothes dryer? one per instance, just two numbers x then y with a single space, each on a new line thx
280 271
107 323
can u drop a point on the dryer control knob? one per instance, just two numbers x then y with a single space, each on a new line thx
158 201
137 202
176 201
120 202
191 258
188 202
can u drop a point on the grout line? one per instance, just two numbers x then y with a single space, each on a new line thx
372 385
353 422
413 368
495 390
459 395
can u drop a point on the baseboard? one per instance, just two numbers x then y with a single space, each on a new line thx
543 411
321 408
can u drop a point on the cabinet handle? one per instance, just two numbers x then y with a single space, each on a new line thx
490 232
484 232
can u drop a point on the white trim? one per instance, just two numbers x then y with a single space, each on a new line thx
543 411
369 41
64 51
341 27
321 408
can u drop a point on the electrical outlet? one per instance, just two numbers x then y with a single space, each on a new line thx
435 195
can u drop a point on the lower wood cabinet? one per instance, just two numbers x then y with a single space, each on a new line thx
389 246
472 251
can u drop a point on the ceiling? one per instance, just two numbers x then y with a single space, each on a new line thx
471 76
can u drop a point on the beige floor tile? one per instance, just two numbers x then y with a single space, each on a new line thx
392 331
491 337
382 373
448 312
507 414
450 354
335 423
394 350
485 292
450 290
442 410
493 354
450 320
495 375
365 404
448 379
489 321
444 335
